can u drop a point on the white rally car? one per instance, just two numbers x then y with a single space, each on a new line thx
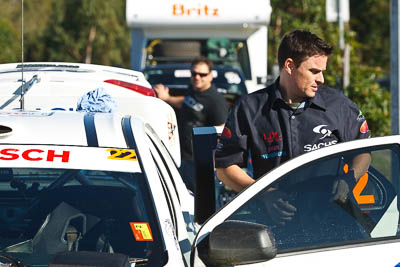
100 182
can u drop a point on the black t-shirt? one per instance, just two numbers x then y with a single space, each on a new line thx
264 124
207 108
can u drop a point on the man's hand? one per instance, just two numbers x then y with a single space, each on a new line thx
162 92
278 206
342 187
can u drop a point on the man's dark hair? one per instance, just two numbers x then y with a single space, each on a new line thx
299 45
203 60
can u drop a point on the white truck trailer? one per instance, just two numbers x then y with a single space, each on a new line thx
230 32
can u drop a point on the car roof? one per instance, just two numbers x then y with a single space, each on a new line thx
61 128
76 135
73 69
62 84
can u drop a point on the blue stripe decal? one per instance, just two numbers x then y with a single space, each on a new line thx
90 129
128 134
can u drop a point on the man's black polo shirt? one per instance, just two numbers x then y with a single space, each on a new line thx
205 108
264 124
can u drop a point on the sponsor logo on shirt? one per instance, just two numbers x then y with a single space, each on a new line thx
320 129
273 155
364 127
273 148
193 104
360 116
310 147
272 137
324 132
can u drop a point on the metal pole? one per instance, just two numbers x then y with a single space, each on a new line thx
22 56
394 65
346 66
341 25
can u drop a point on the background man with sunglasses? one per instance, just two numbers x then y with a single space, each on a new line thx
203 105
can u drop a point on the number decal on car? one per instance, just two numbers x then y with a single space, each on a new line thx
359 187
122 154
357 190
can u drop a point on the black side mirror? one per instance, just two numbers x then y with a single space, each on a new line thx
239 242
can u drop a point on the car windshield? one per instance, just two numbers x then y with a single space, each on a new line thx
44 211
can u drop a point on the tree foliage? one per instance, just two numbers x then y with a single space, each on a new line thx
8 39
371 24
88 31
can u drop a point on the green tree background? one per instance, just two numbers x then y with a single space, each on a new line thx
88 31
94 31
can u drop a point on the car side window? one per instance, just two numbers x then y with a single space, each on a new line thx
302 210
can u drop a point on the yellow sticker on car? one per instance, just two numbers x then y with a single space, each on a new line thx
141 231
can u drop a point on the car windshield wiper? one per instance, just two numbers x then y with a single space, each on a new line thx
8 261
18 92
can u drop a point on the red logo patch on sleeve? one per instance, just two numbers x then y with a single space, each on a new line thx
364 127
226 133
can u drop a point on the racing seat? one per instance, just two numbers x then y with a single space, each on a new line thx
99 216
62 230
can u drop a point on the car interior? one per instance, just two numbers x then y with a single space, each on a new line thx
94 212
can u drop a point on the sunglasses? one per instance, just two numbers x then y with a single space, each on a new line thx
198 73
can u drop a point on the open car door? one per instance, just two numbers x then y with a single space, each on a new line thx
362 230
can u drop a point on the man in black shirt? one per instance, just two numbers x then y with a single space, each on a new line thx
295 115
203 105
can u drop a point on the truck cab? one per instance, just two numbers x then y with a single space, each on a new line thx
176 32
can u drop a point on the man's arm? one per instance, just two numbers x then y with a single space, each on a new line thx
360 165
163 94
234 177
